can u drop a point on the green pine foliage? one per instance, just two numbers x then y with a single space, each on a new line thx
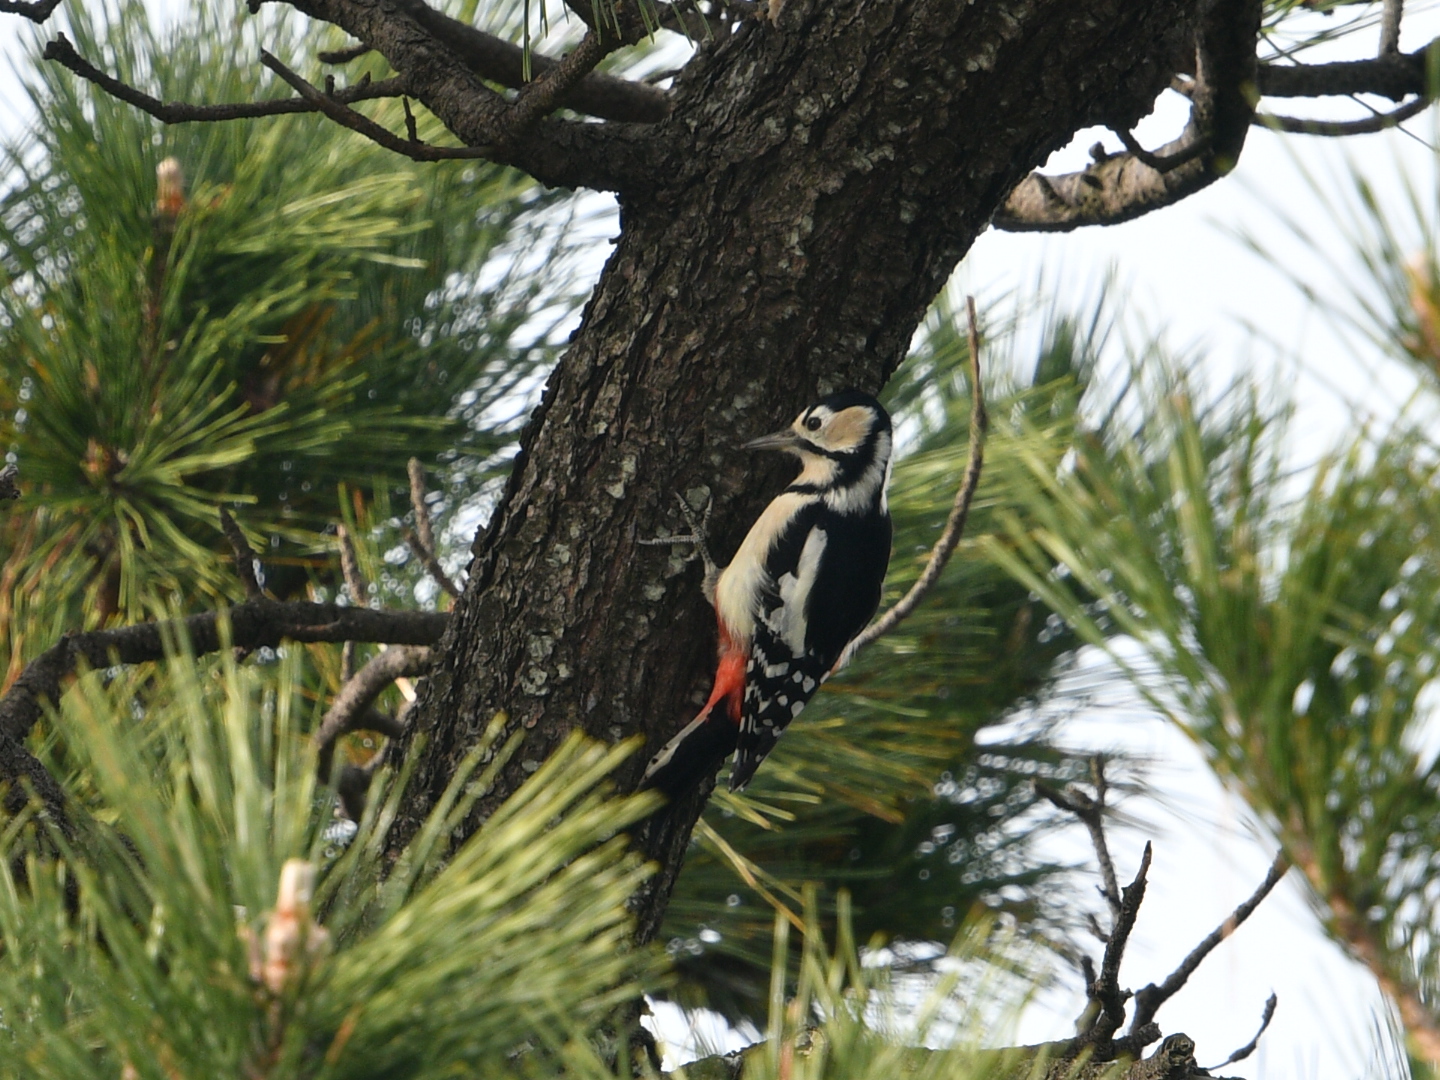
1286 626
145 948
305 310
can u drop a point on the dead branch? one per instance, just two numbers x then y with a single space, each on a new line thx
1249 1048
350 568
959 509
1149 1000
422 541
1106 992
432 565
63 53
1091 812
348 712
243 553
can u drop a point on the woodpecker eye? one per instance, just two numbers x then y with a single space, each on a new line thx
812 424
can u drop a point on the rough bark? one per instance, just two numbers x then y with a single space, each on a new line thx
818 180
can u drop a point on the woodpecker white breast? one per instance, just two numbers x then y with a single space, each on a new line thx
804 582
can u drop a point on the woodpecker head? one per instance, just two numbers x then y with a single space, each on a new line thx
843 443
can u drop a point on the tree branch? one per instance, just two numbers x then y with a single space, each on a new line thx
1106 991
1091 813
422 541
1149 1000
543 96
622 157
63 53
1125 186
34 10
1337 128
244 555
959 509
347 712
1249 1048
252 625
363 125
1394 75
497 60
1390 17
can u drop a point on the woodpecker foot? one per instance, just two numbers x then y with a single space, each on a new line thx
697 538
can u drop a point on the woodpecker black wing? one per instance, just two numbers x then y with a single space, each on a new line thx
826 570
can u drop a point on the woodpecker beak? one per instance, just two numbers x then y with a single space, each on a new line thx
779 440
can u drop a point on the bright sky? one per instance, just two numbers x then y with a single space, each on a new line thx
1184 271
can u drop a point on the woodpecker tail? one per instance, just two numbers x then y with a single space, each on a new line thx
706 741
686 759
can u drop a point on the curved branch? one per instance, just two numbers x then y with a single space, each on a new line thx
1339 128
348 712
959 510
1149 1000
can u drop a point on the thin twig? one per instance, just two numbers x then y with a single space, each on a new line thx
1149 1000
350 568
1091 813
244 555
348 711
423 526
422 541
179 112
343 56
1390 17
1168 161
8 488
412 130
432 565
959 510
336 110
1249 1048
1340 128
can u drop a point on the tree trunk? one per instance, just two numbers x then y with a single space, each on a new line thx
824 175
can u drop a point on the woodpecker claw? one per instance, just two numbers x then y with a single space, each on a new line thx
697 537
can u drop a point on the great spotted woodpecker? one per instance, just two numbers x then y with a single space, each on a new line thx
805 581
